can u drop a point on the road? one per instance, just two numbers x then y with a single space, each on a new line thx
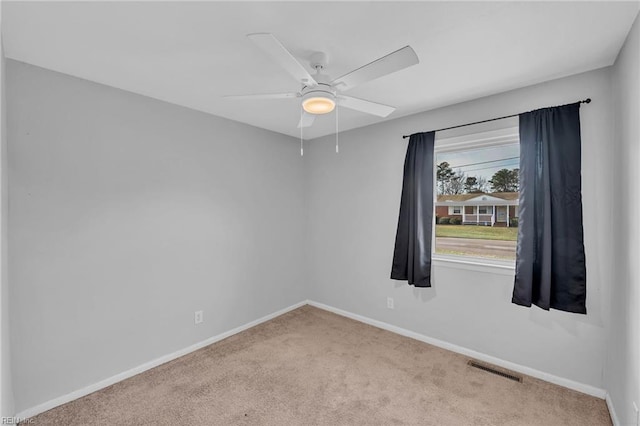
473 247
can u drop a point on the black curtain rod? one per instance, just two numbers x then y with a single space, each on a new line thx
586 101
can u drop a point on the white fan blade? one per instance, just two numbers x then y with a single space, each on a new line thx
388 64
264 96
306 120
272 47
365 106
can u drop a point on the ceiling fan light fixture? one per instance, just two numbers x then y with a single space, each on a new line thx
315 103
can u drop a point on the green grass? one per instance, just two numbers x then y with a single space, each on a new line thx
478 232
464 253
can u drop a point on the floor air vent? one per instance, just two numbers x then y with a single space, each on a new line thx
493 370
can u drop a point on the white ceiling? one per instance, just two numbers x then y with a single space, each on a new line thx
192 54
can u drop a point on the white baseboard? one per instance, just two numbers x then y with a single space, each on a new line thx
612 411
577 386
41 408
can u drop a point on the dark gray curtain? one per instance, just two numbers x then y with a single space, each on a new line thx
412 254
550 262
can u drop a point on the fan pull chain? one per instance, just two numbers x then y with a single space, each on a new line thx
337 146
301 140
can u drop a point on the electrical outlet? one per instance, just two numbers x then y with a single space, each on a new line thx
198 317
390 302
635 407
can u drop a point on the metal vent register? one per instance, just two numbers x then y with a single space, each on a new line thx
494 370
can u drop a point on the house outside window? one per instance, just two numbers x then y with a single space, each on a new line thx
477 197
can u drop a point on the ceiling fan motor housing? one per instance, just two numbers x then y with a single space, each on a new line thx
319 99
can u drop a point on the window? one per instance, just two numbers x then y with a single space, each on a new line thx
479 173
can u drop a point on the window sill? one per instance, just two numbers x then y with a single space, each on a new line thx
478 264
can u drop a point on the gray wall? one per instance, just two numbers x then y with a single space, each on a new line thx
623 362
353 201
128 214
6 391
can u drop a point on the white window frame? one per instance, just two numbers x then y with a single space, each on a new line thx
452 210
490 139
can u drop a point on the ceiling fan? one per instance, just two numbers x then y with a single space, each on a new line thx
319 93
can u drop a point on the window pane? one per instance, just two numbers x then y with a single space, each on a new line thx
483 184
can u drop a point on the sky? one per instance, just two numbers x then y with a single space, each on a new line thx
491 159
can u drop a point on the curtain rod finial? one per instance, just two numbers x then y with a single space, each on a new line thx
587 101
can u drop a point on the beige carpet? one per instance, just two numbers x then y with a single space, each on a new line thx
311 367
